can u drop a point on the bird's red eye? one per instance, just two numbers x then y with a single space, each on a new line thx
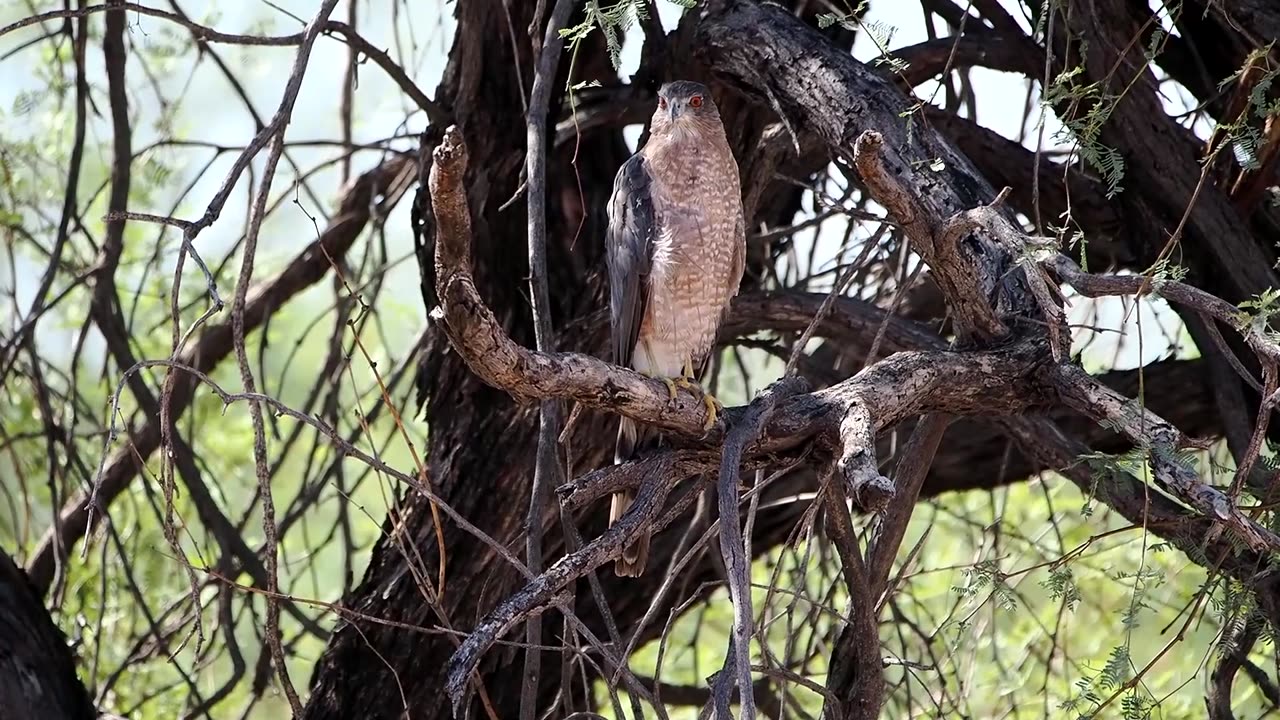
662 103
695 101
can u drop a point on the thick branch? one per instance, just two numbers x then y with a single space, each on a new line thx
495 358
1090 397
770 54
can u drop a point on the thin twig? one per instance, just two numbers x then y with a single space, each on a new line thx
737 661
546 473
258 214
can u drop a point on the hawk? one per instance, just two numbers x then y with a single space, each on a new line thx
675 246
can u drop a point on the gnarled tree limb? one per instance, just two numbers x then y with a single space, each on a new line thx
768 52
905 384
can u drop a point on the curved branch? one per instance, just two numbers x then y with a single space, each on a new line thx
984 48
914 172
905 384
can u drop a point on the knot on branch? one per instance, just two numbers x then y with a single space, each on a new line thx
1027 254
901 187
869 490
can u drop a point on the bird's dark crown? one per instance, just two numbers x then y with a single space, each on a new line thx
680 89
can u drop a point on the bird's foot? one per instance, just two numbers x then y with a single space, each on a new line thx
713 409
709 401
671 387
669 382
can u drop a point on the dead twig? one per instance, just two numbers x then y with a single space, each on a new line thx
546 473
733 550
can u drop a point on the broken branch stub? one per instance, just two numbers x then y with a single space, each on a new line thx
892 182
870 490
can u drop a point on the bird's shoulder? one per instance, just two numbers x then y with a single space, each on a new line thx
633 175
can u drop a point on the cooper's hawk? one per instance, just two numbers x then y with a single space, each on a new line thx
676 242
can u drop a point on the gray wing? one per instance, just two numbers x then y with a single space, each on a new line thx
629 252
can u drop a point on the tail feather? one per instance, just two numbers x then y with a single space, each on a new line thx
633 439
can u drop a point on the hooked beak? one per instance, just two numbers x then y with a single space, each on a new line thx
673 111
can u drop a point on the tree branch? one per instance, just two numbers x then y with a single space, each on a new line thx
856 679
1161 443
546 472
857 461
769 54
356 208
899 386
733 551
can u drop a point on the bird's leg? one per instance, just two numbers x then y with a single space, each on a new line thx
671 385
687 381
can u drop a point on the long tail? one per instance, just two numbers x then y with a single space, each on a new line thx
633 439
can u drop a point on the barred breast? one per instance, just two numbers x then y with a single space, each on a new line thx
697 260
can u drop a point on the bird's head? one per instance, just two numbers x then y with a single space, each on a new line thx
682 103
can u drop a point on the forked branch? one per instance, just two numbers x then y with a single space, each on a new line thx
908 383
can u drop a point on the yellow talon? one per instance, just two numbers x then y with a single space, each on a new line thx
671 387
711 403
671 384
688 381
708 400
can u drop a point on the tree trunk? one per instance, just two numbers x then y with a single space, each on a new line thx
482 442
37 670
